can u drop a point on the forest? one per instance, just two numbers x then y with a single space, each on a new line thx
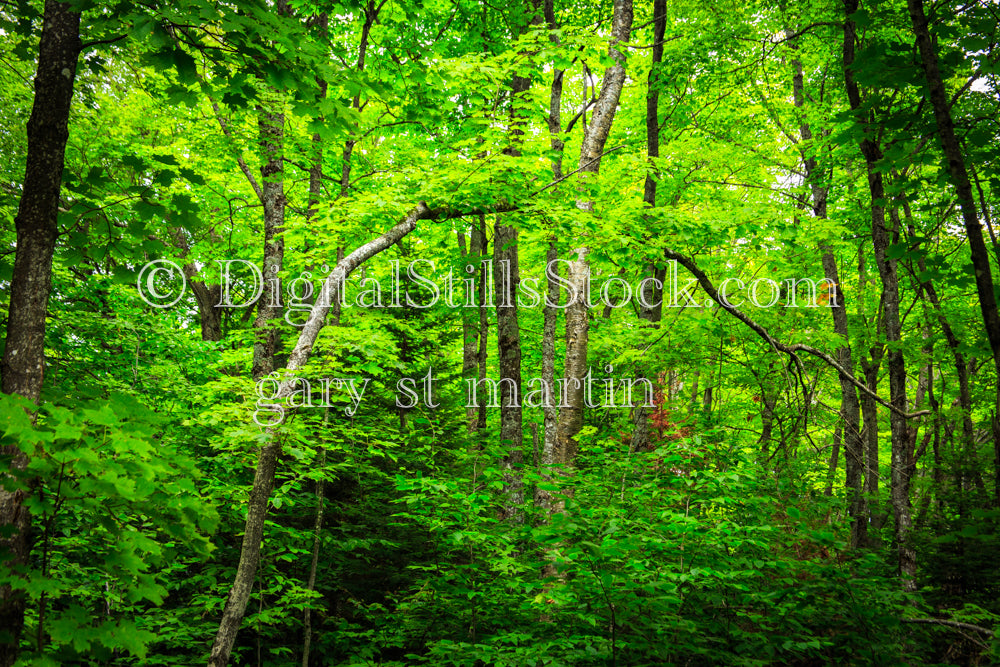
477 333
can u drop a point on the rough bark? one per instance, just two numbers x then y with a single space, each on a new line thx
505 279
575 367
902 440
207 297
550 311
549 367
271 122
35 225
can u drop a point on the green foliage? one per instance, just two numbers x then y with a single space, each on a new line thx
115 503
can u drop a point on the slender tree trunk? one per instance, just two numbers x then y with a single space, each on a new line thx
577 332
640 416
470 331
768 403
23 364
575 367
550 311
902 442
481 242
834 456
850 408
272 135
549 352
543 498
959 362
506 277
314 561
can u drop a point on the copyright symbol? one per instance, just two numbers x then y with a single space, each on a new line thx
152 272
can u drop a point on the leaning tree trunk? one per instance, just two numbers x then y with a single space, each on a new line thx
35 224
267 459
902 442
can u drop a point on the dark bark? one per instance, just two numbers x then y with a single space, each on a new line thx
640 416
35 224
207 297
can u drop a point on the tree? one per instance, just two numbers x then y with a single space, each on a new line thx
23 364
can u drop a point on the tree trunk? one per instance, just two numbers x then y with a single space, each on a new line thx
550 313
207 297
470 331
35 224
314 561
505 279
832 469
850 408
595 138
640 417
272 134
902 442
267 459
575 368
481 243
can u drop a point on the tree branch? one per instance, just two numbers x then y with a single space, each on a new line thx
790 350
